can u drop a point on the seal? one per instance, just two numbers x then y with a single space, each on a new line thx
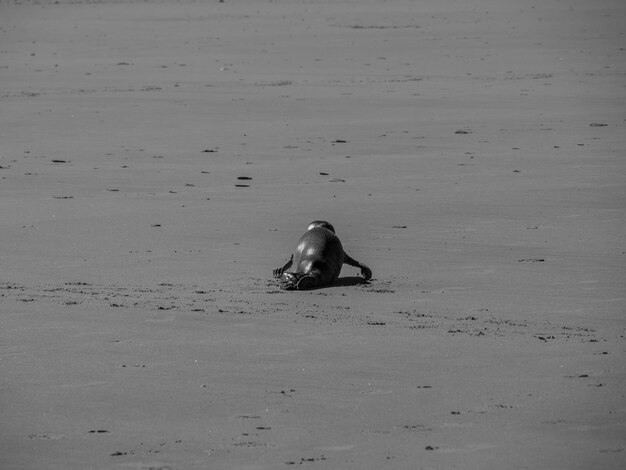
317 260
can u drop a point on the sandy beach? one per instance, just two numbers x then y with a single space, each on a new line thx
159 159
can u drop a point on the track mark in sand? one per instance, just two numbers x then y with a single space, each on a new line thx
545 338
554 421
46 436
252 444
119 453
147 449
274 83
416 427
304 460
401 429
485 409
469 448
257 296
376 26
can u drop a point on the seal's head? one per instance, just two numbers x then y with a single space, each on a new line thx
289 281
321 223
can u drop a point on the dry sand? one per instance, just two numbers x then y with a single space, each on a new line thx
470 152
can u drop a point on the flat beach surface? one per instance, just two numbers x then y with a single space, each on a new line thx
158 159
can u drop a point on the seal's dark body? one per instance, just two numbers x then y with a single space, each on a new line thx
317 260
319 253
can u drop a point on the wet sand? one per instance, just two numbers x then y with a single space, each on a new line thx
157 160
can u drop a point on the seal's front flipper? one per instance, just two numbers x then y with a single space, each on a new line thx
277 272
366 272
